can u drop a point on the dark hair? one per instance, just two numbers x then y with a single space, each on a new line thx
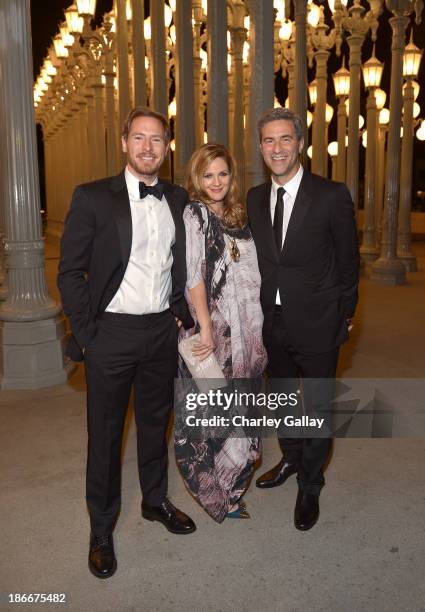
143 111
278 113
234 212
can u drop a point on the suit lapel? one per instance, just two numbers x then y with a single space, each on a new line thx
122 213
268 244
301 206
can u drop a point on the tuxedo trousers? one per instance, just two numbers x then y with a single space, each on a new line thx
136 352
309 454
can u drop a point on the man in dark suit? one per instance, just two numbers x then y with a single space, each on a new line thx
122 275
304 230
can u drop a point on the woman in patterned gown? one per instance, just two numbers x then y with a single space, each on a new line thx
223 293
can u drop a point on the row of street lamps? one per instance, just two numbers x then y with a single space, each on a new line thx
92 76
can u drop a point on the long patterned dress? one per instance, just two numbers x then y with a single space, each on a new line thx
217 470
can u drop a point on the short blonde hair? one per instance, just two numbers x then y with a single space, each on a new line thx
234 213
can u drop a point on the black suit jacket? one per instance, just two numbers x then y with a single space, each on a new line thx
95 249
318 268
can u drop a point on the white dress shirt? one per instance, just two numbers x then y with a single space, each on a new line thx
291 190
146 286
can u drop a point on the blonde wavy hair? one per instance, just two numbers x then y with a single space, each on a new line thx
234 212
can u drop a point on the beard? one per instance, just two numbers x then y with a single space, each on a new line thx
143 169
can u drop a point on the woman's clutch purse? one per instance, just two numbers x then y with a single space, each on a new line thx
207 373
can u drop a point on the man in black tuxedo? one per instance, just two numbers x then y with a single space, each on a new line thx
304 230
122 275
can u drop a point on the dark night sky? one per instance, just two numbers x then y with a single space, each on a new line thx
47 14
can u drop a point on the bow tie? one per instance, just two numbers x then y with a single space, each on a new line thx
155 190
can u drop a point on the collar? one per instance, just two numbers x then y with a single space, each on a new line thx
133 184
291 187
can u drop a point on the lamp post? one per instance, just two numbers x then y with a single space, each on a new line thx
32 332
287 41
109 73
383 120
138 45
372 73
199 18
122 64
342 89
333 152
411 61
322 43
238 37
388 268
357 22
217 83
300 97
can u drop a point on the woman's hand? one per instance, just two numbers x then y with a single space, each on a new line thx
205 347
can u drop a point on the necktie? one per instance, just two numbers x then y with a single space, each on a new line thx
155 190
278 219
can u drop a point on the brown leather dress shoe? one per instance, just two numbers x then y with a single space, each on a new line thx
102 561
277 475
172 518
306 510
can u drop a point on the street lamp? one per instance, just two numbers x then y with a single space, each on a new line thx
312 90
341 80
420 134
416 89
74 22
68 39
333 152
60 49
411 62
381 97
372 73
342 89
86 8
411 59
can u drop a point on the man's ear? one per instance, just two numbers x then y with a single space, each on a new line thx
123 144
301 146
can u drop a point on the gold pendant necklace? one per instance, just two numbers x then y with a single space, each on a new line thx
235 254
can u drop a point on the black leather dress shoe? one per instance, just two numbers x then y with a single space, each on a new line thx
172 518
102 561
277 475
306 510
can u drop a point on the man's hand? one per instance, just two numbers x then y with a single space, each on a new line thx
350 324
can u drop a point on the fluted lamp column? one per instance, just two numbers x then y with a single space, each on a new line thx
260 84
122 64
109 72
300 94
372 73
358 28
322 43
159 72
238 34
185 129
384 118
333 153
411 62
32 330
198 19
388 268
287 41
138 44
342 89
